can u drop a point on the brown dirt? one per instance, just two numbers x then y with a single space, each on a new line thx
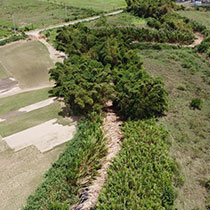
111 129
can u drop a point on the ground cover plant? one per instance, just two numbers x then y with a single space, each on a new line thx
81 158
141 175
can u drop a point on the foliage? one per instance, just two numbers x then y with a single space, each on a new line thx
111 48
150 8
80 159
13 39
204 47
196 103
138 95
84 84
141 175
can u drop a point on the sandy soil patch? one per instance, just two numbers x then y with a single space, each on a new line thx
45 136
22 172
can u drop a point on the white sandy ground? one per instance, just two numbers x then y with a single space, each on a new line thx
45 136
38 105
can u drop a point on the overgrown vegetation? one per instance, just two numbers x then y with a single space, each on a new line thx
109 57
13 39
82 158
141 175
120 65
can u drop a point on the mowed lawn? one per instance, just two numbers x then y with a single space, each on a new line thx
30 119
28 62
199 16
97 5
22 99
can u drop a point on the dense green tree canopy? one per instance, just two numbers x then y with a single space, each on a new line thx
150 8
84 84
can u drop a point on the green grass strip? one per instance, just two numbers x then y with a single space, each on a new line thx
82 158
141 175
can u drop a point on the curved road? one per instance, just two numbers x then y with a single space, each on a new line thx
36 32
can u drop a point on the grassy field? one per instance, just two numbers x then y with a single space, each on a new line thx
28 62
35 14
186 76
199 16
124 19
3 73
27 120
98 5
22 100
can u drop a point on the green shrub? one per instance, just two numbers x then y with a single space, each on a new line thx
181 87
140 96
196 103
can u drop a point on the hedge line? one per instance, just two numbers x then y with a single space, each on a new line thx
13 39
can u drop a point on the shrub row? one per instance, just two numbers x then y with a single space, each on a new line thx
81 158
142 174
13 39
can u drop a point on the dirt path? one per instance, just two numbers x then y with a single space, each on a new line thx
199 39
36 32
111 128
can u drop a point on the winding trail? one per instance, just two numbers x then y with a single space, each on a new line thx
38 31
111 128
